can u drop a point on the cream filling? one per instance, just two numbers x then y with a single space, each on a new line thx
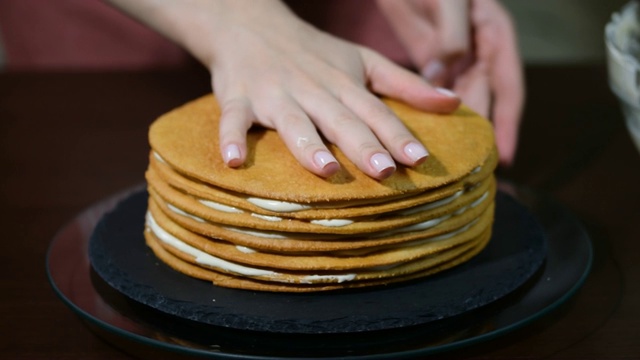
311 279
286 206
220 207
246 250
211 261
261 234
418 242
208 260
332 222
230 209
200 256
432 205
184 213
335 222
360 252
479 200
436 221
277 206
267 217
413 243
410 228
159 158
414 227
441 237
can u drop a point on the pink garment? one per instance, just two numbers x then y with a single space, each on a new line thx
359 21
91 35
79 35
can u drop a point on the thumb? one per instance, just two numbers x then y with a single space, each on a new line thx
452 17
474 88
386 78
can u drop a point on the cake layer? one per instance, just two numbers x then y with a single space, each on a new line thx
271 225
384 222
273 241
338 281
389 254
233 201
187 139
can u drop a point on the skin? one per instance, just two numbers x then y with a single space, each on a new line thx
485 71
270 68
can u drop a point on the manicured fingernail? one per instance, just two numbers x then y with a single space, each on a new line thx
231 154
416 152
323 159
446 92
433 70
382 163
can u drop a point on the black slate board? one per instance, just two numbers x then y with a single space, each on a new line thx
119 256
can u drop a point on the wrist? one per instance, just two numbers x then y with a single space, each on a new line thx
204 27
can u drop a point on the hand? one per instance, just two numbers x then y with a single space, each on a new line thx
270 68
473 53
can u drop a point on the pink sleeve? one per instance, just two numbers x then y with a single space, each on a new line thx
359 21
80 35
91 35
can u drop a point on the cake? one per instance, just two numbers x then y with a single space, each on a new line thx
271 225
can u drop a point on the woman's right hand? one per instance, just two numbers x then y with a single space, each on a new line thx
270 68
469 46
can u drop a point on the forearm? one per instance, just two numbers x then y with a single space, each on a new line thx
202 27
271 68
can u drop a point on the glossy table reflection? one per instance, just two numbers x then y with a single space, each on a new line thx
70 140
343 324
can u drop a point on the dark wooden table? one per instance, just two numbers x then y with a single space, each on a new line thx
68 140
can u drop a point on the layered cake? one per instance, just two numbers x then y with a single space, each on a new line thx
271 225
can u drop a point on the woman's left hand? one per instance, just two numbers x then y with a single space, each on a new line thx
468 46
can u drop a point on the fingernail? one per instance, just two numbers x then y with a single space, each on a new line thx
231 154
446 92
416 152
382 163
433 70
323 159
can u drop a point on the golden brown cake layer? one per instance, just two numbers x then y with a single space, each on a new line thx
187 139
271 225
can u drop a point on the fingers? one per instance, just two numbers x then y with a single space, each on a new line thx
298 132
388 129
323 87
283 114
235 120
507 80
454 33
409 22
509 98
455 28
350 132
356 140
388 79
474 88
354 119
344 111
508 85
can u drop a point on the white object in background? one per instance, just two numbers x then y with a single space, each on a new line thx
622 38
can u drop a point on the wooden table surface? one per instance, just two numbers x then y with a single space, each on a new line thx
68 140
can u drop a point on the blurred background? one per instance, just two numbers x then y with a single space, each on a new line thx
38 35
562 31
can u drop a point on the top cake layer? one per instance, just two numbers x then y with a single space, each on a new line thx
458 144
